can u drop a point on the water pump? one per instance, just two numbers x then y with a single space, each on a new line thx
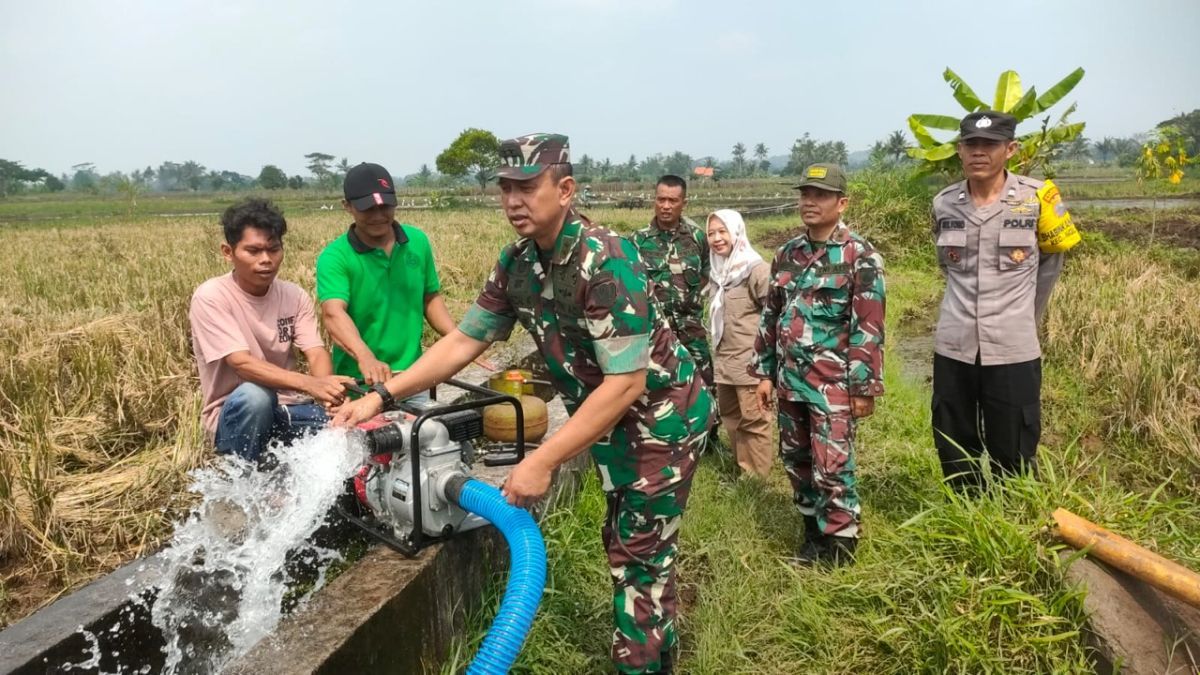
415 489
405 494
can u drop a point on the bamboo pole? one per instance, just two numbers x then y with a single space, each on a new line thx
1169 577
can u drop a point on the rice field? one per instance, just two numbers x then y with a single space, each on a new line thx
99 405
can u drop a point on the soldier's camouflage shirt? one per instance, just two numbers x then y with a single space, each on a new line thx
590 315
678 263
820 339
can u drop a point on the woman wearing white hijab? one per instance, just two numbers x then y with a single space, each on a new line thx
740 279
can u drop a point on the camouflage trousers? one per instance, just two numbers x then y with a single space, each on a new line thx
641 536
817 449
700 351
694 337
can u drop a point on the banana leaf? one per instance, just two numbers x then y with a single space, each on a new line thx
1064 133
935 154
1057 92
924 139
944 122
1008 91
1026 107
965 96
1067 113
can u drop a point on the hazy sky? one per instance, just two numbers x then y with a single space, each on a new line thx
235 85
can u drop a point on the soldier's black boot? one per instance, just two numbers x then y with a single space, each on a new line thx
813 548
840 550
666 664
713 442
811 529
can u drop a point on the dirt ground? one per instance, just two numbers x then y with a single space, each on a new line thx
1175 227
24 593
778 238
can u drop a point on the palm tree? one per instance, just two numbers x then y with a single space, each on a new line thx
879 153
1078 149
760 154
896 146
739 159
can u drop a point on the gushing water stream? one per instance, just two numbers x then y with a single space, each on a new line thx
227 563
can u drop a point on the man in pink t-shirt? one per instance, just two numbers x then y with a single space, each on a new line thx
245 328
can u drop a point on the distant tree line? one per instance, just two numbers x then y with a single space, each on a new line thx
472 158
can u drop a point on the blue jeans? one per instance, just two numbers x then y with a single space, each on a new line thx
252 416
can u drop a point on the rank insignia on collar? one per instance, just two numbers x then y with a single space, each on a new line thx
1017 255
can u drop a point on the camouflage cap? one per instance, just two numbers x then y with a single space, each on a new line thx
528 156
824 176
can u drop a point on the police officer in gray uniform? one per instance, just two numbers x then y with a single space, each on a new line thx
987 371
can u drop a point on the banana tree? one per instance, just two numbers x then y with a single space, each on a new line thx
1037 149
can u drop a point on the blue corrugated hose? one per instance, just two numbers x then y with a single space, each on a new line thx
526 577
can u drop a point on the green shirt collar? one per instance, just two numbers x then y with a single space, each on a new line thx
568 237
839 236
360 246
564 245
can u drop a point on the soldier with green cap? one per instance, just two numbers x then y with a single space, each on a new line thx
819 351
635 396
675 252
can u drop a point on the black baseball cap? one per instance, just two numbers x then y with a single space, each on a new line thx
369 185
989 124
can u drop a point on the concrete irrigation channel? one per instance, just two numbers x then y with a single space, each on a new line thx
386 613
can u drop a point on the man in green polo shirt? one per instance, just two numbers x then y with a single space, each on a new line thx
377 283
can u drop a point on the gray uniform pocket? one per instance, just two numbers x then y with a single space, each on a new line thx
1017 247
952 249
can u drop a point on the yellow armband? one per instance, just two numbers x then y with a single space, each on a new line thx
1056 232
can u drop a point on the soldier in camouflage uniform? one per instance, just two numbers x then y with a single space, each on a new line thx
820 349
633 392
675 252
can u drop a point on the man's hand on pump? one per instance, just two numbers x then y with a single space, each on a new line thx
528 482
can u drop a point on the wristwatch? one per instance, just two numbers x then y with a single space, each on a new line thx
388 399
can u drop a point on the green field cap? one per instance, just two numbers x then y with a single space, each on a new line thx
824 176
